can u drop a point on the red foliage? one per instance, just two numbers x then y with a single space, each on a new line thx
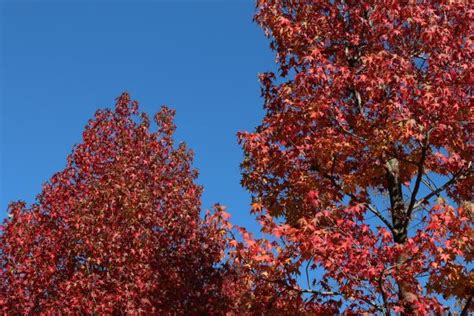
368 123
117 230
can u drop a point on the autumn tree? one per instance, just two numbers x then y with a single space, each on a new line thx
362 165
361 174
118 230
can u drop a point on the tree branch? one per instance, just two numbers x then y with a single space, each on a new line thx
384 296
419 176
465 310
307 273
397 203
314 292
451 181
428 184
369 206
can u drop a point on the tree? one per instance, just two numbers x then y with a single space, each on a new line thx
360 172
365 152
118 230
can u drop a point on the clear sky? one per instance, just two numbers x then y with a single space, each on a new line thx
60 61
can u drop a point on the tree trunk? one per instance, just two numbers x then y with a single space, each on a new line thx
400 223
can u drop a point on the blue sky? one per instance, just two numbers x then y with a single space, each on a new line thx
60 61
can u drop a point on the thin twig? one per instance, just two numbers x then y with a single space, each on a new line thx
355 198
440 189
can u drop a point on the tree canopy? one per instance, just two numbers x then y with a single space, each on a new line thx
360 174
366 149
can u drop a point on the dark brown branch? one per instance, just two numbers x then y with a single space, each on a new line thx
383 273
384 296
369 206
428 184
467 306
451 181
419 176
378 214
397 204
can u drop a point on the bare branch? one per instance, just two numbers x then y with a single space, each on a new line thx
314 292
428 184
419 177
307 273
451 181
379 215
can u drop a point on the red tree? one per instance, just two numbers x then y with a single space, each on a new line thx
360 171
118 230
365 150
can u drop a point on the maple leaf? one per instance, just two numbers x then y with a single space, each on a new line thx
256 207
